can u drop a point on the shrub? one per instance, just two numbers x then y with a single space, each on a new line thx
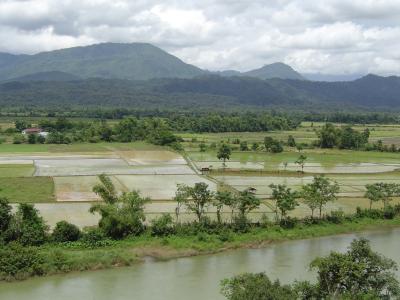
288 222
27 227
5 214
336 217
19 262
241 224
94 237
65 232
389 212
162 226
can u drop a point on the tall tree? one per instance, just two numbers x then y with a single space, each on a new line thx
318 193
196 198
224 153
301 161
285 199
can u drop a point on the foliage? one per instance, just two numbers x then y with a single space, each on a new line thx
120 216
285 199
224 152
301 160
18 262
246 201
221 199
65 232
27 226
344 138
319 192
196 198
162 226
272 145
255 287
359 273
5 215
356 273
381 191
106 190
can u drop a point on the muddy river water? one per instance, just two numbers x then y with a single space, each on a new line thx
195 278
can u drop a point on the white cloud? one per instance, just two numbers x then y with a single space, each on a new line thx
333 36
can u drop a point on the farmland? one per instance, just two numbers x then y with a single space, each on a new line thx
60 178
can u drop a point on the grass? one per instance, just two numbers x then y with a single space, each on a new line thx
76 148
27 189
16 170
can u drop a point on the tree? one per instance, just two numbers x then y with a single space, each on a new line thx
381 191
21 125
5 214
124 217
359 273
255 287
319 192
285 199
196 198
31 139
356 273
301 161
272 145
106 189
255 146
65 232
243 146
120 216
328 136
291 141
27 226
246 202
224 153
221 199
202 147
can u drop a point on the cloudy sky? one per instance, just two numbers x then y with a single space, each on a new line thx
330 36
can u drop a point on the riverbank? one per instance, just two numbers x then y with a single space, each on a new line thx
71 257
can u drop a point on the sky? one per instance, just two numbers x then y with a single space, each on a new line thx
329 36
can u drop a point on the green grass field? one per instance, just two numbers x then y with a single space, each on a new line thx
27 189
75 148
16 170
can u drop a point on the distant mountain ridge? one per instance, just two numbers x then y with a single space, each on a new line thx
206 92
135 61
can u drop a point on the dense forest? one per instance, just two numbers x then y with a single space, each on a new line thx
211 93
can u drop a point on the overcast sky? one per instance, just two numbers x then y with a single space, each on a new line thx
330 36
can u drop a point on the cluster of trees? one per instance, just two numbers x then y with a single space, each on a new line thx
359 273
64 131
245 122
344 137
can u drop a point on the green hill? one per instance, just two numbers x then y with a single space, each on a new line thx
136 61
275 70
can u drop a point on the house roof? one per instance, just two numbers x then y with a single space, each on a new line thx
32 130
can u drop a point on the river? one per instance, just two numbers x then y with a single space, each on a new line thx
194 278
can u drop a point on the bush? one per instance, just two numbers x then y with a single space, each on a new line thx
336 217
226 235
241 224
65 232
369 213
94 237
389 212
27 227
162 226
288 223
19 262
5 214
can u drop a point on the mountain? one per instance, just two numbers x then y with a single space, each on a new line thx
206 92
135 61
275 70
331 77
47 76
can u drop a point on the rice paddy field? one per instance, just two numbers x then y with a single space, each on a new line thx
60 178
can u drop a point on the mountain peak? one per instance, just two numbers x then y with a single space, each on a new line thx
275 70
134 61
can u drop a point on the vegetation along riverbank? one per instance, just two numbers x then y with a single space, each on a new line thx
123 238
